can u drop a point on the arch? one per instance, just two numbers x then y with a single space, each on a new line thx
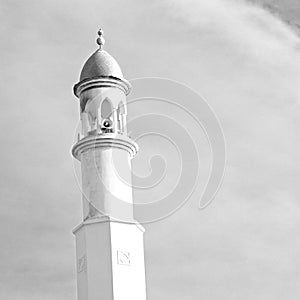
122 117
106 109
121 108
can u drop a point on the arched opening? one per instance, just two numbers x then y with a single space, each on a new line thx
106 109
122 117
107 118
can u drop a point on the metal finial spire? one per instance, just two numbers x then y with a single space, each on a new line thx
100 39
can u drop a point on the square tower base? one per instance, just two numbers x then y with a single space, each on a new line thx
110 260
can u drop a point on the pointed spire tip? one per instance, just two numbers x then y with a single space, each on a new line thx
100 39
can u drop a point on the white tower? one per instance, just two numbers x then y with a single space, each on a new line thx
109 242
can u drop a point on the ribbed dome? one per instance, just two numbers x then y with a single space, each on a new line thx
101 70
101 64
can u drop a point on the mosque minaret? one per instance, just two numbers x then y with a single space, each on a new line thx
109 241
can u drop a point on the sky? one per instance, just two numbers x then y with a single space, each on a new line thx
241 57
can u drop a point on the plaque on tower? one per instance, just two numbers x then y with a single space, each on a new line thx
81 264
123 258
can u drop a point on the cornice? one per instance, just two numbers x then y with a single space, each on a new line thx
100 82
107 140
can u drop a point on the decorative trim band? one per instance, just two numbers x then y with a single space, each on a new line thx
106 219
105 140
100 82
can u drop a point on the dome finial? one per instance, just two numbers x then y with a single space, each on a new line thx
100 39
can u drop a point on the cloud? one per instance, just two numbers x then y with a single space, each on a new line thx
246 63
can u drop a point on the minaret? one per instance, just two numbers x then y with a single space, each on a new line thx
109 242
